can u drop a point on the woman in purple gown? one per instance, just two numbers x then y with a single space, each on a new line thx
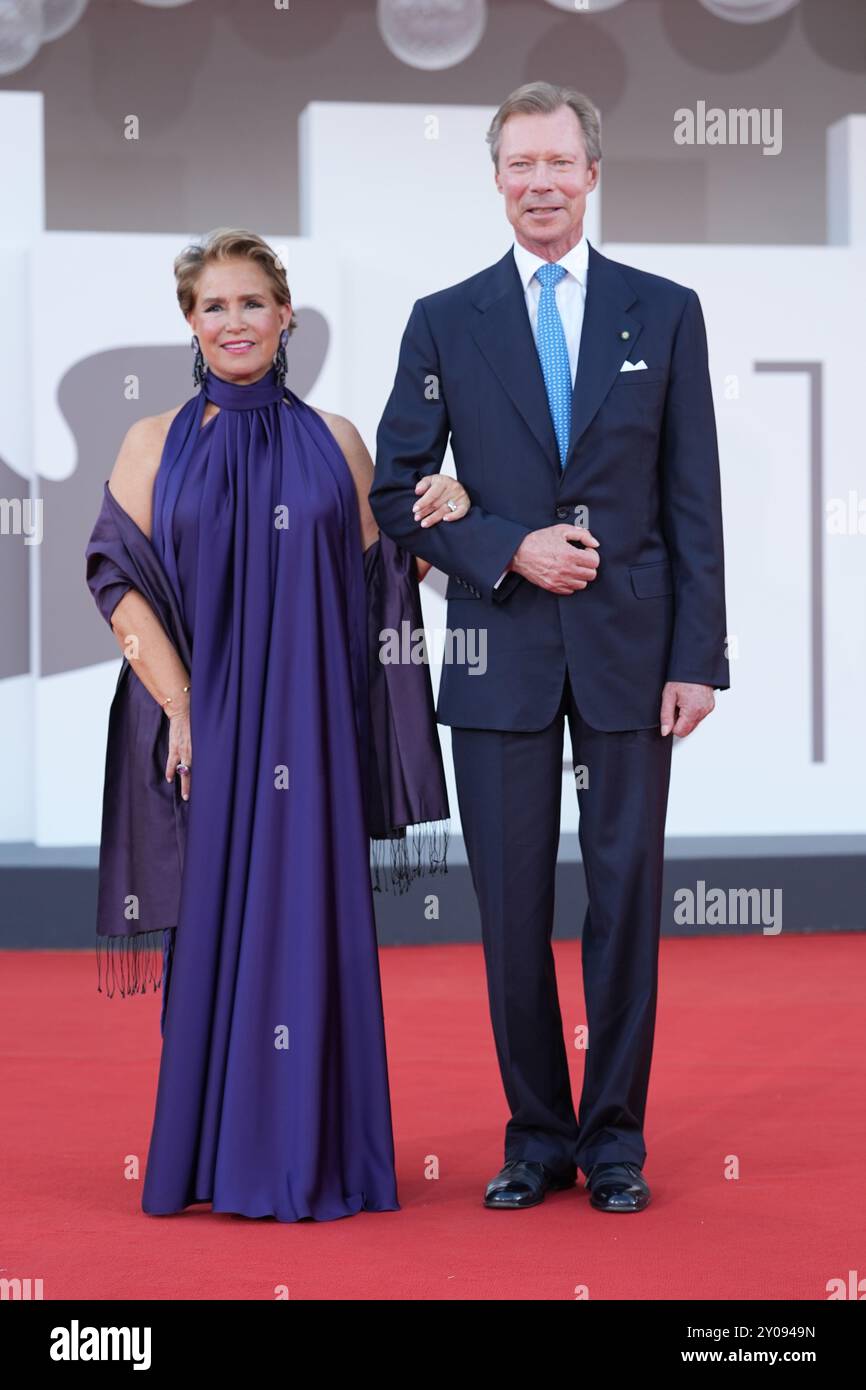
239 565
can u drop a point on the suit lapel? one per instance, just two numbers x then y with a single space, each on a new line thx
602 346
504 335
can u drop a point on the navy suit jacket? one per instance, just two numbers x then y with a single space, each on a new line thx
642 459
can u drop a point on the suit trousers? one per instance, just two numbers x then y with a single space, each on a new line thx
509 787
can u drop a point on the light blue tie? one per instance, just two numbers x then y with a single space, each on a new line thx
553 352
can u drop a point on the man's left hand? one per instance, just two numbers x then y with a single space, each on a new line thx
684 706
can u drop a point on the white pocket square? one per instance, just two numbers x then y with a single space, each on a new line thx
633 366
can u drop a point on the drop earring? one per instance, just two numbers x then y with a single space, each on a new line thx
199 370
281 365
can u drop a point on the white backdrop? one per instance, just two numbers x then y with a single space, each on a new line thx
377 234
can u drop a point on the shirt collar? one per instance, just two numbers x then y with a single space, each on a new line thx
575 262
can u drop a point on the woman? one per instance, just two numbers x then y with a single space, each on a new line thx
238 563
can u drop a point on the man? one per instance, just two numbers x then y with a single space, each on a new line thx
577 397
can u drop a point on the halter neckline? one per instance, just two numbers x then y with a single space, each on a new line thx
229 395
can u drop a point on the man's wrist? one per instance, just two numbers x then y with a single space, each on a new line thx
510 568
514 562
512 538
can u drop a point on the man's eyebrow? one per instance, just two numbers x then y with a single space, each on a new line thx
562 154
249 294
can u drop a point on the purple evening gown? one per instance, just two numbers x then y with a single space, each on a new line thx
273 1094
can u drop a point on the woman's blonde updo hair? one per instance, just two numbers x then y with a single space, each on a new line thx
224 244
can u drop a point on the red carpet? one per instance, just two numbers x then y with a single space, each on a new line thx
759 1054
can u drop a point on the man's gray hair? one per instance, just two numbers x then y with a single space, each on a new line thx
544 98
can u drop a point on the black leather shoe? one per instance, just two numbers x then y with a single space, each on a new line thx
617 1187
524 1183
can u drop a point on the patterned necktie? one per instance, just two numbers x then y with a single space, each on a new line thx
553 352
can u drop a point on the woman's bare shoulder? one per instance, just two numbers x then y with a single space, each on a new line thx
329 417
348 438
136 465
355 452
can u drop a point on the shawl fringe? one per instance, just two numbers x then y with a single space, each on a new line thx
414 853
129 963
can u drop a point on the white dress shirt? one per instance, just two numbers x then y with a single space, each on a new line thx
570 299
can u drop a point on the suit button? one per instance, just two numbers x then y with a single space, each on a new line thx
563 513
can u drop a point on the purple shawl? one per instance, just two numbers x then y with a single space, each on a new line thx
144 817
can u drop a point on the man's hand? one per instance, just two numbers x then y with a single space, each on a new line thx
547 559
693 702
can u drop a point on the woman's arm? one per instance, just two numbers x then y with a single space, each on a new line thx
140 635
433 492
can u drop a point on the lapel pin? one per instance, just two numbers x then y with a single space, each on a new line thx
624 334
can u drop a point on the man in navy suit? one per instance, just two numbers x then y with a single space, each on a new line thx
576 394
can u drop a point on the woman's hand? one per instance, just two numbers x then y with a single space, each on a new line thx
435 491
179 749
